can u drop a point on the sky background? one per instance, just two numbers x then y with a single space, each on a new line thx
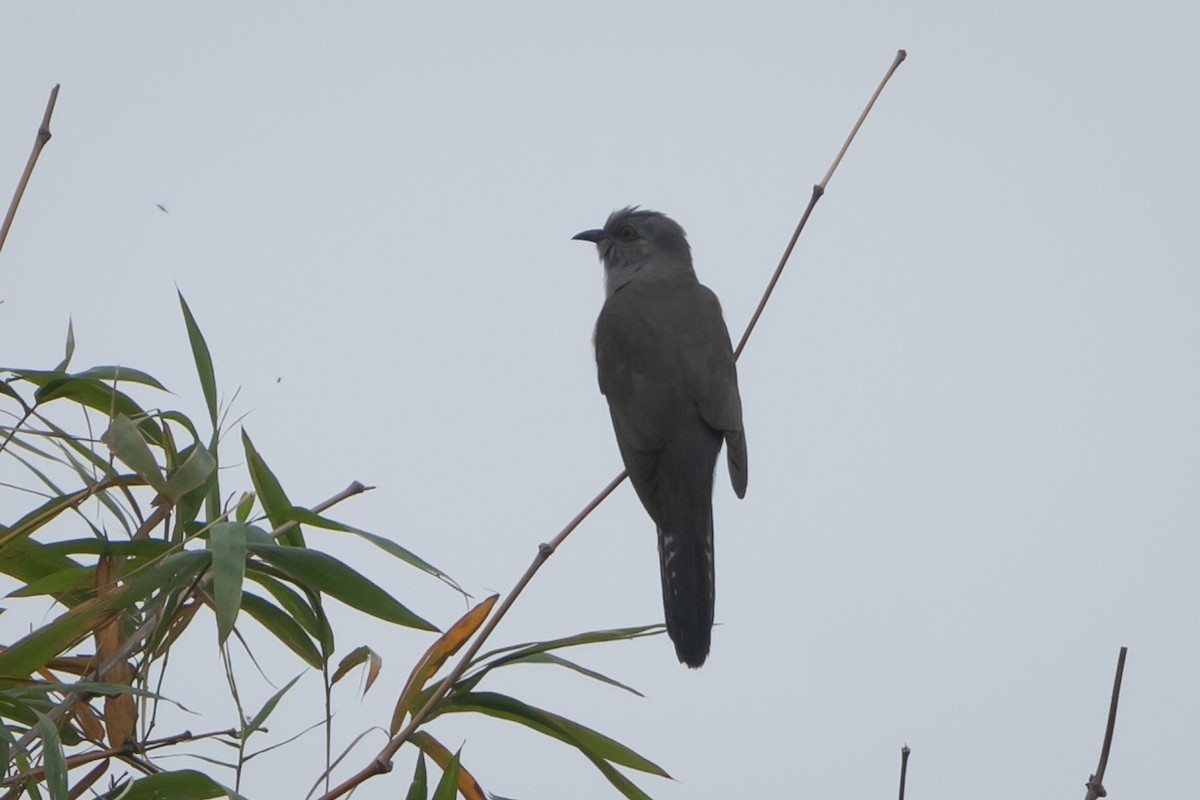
971 406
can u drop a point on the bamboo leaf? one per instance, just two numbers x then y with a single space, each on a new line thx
447 645
192 473
303 515
185 784
227 541
70 348
419 788
203 359
359 655
283 627
288 599
447 788
127 444
590 742
326 574
269 706
270 492
468 787
518 651
53 758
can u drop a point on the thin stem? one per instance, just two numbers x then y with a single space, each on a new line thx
818 190
1095 784
382 762
904 751
43 136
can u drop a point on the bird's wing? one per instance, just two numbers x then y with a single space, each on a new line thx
709 364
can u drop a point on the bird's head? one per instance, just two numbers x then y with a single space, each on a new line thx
633 239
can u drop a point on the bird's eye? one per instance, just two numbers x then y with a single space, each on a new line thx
627 233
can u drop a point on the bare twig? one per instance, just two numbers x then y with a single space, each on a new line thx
1095 784
904 751
382 762
80 759
43 136
817 191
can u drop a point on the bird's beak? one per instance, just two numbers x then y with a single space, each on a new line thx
594 236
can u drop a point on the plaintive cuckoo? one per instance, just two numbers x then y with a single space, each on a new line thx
666 366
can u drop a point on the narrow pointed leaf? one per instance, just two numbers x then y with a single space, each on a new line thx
447 645
227 540
288 599
121 375
94 394
270 492
269 706
69 350
283 627
588 741
447 788
128 445
203 359
468 787
328 575
53 758
550 658
193 472
185 784
517 651
303 515
419 788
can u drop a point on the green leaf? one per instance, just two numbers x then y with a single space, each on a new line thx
297 514
70 348
447 788
550 658
203 359
283 627
326 574
186 784
192 473
127 444
264 712
53 759
519 651
419 788
591 743
270 492
69 579
93 394
37 647
227 540
120 375
291 601
245 505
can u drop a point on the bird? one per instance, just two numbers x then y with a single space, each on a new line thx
666 367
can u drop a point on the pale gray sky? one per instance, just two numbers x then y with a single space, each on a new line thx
971 407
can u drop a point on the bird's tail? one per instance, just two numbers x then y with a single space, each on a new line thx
689 584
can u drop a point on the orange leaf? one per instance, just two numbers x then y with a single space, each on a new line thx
468 787
446 645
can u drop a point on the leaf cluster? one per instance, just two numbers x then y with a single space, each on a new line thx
132 538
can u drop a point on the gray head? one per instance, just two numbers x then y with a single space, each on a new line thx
641 243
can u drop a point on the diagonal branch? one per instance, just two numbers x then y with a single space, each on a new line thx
43 136
382 762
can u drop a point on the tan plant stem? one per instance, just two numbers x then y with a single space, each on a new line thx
43 136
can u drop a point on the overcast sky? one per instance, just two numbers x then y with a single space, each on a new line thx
971 408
